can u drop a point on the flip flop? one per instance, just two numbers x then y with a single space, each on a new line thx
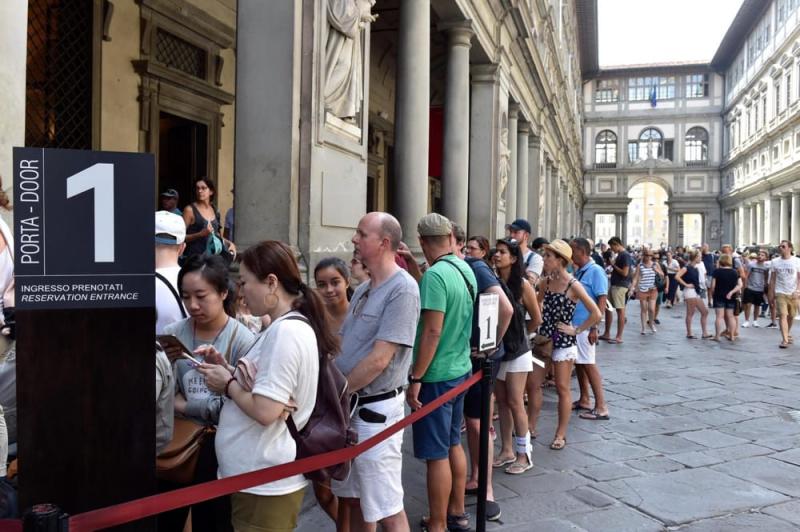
500 462
784 345
577 406
558 444
707 336
593 416
613 341
518 468
604 338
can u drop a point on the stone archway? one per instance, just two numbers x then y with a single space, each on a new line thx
648 213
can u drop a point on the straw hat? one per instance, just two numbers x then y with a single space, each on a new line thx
560 248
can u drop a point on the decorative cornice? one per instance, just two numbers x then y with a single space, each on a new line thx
194 18
149 68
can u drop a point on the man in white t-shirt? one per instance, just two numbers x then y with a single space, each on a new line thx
520 230
783 288
169 240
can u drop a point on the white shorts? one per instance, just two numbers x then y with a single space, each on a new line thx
521 364
586 350
563 354
690 293
376 475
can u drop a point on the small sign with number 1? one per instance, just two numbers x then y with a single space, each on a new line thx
488 309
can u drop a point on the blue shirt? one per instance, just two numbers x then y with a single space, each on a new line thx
595 282
486 279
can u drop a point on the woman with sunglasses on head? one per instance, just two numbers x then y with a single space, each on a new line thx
517 362
279 376
561 294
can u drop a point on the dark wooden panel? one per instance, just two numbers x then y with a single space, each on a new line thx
85 388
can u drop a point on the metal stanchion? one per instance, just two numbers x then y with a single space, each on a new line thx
483 458
45 518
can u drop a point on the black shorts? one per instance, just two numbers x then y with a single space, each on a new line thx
751 297
472 400
727 304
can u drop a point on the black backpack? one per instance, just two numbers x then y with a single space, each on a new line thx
515 340
328 428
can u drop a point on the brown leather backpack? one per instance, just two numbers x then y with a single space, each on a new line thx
328 428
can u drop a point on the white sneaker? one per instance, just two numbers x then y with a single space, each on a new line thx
756 325
745 324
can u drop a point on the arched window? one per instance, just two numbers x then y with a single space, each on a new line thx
696 145
605 149
651 144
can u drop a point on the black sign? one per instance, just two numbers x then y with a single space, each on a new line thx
83 229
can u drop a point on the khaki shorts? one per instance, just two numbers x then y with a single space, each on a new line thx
787 305
617 296
265 513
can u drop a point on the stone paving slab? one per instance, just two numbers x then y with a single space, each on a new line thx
618 519
742 521
712 438
767 472
788 511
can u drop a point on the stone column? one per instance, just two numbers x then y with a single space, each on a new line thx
772 228
554 197
512 213
783 233
13 50
455 163
796 220
760 222
522 170
483 159
753 223
547 205
412 108
743 226
673 230
534 182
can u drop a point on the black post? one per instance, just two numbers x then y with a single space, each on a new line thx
483 458
45 518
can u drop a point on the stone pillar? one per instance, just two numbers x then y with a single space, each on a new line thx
13 50
760 222
772 226
534 182
753 223
522 170
455 163
796 220
412 108
483 150
554 197
512 199
784 233
743 226
672 230
547 204
624 227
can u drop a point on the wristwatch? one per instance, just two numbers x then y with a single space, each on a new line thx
413 380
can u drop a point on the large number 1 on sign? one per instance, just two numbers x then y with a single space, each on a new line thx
99 177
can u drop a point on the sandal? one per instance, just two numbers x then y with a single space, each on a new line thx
500 462
707 336
558 444
784 345
455 523
518 468
577 406
691 337
594 416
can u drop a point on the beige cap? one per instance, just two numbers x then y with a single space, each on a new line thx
559 247
434 224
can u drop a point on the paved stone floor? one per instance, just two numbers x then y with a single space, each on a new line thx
702 436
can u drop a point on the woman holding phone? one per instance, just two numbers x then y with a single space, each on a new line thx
252 432
203 222
214 338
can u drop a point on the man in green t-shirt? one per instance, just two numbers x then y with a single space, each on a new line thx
441 363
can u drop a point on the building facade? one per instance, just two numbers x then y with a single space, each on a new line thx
316 110
760 56
653 125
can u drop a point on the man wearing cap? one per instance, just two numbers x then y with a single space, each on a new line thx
441 363
520 230
169 201
170 236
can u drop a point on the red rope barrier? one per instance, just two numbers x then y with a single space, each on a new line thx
156 504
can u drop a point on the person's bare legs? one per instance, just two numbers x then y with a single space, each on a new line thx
458 470
326 499
515 388
746 309
718 322
701 307
355 520
608 322
620 323
535 397
651 310
473 441
583 384
592 374
731 320
643 310
563 371
506 420
689 316
440 484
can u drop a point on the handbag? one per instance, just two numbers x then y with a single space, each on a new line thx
178 461
542 346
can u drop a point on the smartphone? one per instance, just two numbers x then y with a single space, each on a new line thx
171 341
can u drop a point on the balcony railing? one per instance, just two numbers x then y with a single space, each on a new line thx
696 163
605 165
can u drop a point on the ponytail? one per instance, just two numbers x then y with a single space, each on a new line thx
310 305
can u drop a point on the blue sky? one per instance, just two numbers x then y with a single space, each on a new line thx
660 31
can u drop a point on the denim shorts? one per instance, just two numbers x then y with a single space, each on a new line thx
434 434
727 304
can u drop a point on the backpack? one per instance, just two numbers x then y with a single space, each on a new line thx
515 340
328 428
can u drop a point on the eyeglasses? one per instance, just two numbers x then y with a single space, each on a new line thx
359 306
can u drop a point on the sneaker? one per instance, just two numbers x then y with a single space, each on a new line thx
493 512
772 325
745 324
756 324
658 322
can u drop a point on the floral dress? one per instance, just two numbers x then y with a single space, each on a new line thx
558 308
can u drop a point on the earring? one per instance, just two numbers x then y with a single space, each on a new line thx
268 305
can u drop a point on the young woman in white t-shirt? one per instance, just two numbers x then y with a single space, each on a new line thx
252 433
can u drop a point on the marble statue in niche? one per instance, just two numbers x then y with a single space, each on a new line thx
504 164
344 56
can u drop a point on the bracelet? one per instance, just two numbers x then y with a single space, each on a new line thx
228 385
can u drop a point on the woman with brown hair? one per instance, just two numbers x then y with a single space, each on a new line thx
689 278
252 432
645 283
478 247
203 223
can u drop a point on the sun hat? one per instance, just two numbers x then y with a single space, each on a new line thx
560 248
